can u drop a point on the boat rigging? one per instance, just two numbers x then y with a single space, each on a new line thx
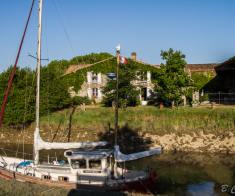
87 166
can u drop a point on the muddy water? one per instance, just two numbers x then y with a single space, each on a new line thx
179 173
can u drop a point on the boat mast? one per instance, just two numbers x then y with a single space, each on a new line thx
36 133
116 98
38 63
118 50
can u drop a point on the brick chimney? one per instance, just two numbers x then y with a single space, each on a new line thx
133 56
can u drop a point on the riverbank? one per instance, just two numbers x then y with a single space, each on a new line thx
17 188
183 129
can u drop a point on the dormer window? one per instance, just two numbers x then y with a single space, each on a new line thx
141 75
94 78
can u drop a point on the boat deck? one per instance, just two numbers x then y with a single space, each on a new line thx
87 178
62 169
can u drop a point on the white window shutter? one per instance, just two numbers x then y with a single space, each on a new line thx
89 77
99 93
89 92
148 92
99 78
148 76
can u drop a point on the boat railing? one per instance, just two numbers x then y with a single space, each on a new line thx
3 160
4 150
9 152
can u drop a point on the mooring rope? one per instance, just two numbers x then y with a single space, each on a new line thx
10 81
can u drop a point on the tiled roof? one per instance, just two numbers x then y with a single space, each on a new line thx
197 67
227 65
189 67
152 65
75 68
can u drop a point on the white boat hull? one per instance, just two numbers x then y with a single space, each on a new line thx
62 175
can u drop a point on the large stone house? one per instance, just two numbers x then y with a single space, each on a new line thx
92 86
94 82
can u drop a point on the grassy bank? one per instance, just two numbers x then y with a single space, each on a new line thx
151 119
87 125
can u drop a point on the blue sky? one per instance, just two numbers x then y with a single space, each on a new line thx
201 29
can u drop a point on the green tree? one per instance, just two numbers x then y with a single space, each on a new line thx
128 94
20 106
172 80
53 91
54 86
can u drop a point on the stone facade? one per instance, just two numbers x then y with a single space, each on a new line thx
145 87
92 87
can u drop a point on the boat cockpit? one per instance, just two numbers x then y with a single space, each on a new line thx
95 162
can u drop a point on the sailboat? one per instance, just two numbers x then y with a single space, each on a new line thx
86 166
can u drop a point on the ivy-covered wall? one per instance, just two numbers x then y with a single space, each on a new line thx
201 79
78 78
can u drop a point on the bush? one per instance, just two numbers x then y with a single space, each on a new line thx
80 100
205 97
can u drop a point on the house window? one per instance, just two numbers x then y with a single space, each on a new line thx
95 92
94 78
141 76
